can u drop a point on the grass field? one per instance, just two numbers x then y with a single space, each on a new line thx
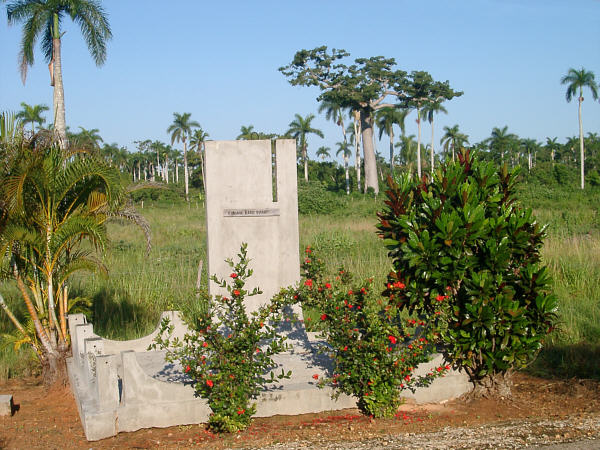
128 303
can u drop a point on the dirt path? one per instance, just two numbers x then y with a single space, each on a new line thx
541 412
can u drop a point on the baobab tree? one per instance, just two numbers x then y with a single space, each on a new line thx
364 87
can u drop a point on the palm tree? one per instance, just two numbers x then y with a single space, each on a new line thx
247 133
88 139
344 149
32 114
52 201
453 139
531 146
197 143
429 111
42 18
180 129
552 145
385 119
323 152
408 151
500 142
335 113
355 132
299 129
576 80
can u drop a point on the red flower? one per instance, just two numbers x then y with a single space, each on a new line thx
209 383
323 316
392 339
440 298
241 411
258 350
262 324
345 348
236 293
308 283
350 292
205 344
308 250
399 285
307 261
327 286
187 369
316 376
363 291
233 275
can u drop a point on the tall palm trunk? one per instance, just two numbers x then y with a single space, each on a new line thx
347 174
391 134
305 159
432 151
419 142
366 123
185 171
357 137
60 126
581 149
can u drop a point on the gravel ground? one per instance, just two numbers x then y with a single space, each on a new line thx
571 433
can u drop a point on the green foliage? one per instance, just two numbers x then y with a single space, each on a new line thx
313 198
469 256
374 350
229 353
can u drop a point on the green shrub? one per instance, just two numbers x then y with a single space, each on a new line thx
374 350
229 353
469 257
313 198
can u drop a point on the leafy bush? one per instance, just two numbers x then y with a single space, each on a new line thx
313 198
229 353
374 350
469 257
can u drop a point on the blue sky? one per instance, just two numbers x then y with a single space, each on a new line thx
219 60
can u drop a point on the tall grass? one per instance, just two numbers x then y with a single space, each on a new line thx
128 303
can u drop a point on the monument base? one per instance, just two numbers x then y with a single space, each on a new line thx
119 386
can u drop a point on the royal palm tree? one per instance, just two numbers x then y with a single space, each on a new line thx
576 80
323 152
247 133
408 151
32 114
42 18
500 142
344 149
552 145
385 119
453 139
299 129
531 146
197 143
335 113
180 130
429 111
88 139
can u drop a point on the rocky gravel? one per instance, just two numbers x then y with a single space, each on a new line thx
571 433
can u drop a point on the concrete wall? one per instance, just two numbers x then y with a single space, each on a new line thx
240 208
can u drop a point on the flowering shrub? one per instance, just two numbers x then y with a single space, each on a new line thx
229 352
468 257
374 350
